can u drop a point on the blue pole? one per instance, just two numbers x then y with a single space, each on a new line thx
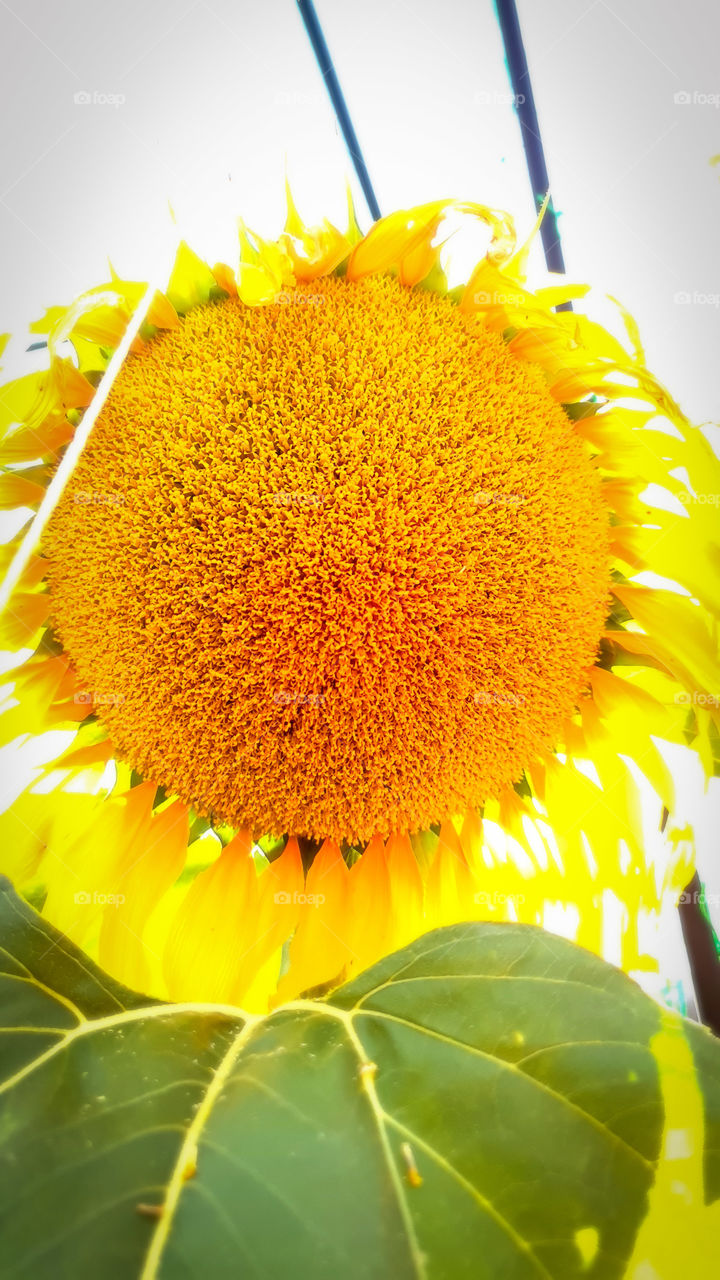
521 84
332 84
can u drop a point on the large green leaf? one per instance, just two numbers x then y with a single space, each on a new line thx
490 1102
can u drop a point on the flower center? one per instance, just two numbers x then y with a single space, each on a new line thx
333 566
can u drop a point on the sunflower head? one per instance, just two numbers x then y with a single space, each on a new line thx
351 557
339 562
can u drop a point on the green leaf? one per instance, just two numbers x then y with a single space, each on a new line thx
487 1103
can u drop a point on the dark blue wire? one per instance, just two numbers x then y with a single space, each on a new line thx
332 84
521 84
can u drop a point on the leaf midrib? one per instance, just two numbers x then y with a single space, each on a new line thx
189 1146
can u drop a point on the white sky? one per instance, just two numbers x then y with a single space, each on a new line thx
218 94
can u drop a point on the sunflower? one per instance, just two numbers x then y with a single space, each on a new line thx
345 614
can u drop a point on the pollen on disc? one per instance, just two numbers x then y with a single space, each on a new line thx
337 565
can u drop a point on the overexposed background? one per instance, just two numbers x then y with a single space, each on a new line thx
203 102
113 113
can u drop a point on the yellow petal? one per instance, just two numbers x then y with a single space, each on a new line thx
369 930
450 886
679 634
278 904
25 830
26 613
318 952
323 248
490 291
556 294
265 268
191 281
16 491
226 279
151 864
37 685
83 876
406 888
42 441
207 942
392 239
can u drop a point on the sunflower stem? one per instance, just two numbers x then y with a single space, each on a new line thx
702 953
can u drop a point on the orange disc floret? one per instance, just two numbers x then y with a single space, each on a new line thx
337 565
